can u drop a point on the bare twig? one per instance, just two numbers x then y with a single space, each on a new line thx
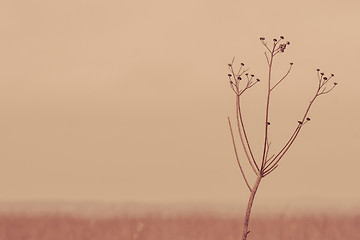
282 77
241 122
237 157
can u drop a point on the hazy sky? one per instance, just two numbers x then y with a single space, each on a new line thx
117 101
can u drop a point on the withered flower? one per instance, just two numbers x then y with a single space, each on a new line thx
282 47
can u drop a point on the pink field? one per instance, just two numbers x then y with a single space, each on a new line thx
196 227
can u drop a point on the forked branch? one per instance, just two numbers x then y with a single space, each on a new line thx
240 81
237 157
320 91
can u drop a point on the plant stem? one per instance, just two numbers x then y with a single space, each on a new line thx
267 111
249 207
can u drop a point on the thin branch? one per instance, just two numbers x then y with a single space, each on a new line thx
269 171
267 149
264 43
254 83
237 157
246 139
325 92
232 61
244 71
282 78
267 59
269 159
240 125
288 142
267 110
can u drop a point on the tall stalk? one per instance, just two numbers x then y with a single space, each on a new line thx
241 81
249 207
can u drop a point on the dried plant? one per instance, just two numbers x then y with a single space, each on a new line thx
240 81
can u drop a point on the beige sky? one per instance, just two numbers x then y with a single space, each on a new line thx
116 101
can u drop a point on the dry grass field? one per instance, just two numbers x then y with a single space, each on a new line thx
189 227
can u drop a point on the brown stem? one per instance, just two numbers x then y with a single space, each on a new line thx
267 111
240 122
237 157
249 207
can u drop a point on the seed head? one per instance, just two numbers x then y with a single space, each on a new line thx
252 75
268 123
242 64
291 63
229 64
332 75
300 122
239 78
288 43
325 78
229 75
275 40
281 37
308 119
318 70
322 73
335 83
258 80
282 47
262 38
246 74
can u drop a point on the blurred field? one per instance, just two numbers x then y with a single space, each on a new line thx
187 227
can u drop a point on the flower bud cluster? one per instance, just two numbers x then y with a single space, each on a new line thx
236 76
323 80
